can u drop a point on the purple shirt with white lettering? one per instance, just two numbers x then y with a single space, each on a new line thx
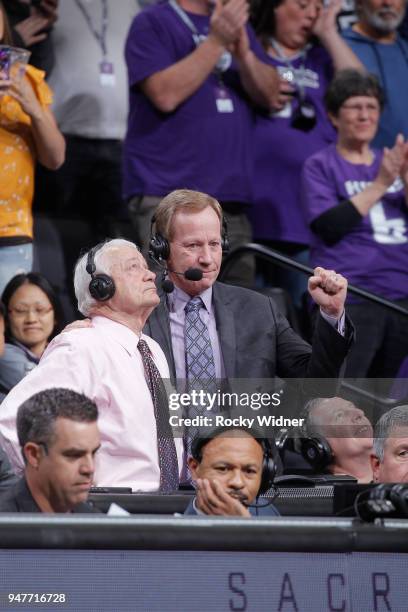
280 151
374 254
199 145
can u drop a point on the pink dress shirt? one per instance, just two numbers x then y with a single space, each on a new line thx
103 363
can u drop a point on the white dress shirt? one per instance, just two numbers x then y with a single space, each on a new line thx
104 363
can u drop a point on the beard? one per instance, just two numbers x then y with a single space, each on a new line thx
383 20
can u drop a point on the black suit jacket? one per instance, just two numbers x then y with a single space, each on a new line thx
257 341
19 499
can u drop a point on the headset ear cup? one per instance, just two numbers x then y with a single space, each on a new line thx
269 467
159 247
317 452
102 287
268 475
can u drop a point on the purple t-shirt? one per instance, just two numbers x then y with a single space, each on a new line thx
280 151
196 146
374 254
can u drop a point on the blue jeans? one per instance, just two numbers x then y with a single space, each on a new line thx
14 260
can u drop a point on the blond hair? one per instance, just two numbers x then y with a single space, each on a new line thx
186 200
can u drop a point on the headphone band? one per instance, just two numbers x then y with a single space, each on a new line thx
159 246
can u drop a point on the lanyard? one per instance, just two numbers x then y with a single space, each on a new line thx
100 37
302 54
186 20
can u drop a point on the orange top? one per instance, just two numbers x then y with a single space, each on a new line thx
17 160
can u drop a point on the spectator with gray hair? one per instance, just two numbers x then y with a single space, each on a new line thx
59 437
390 454
115 365
375 40
337 438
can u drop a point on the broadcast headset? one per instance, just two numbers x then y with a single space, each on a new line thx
316 450
101 286
268 462
159 247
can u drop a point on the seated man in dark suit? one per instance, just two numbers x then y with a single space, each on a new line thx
230 469
59 437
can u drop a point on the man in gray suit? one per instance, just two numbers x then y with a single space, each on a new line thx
249 338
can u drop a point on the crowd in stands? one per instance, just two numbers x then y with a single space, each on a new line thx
188 129
303 43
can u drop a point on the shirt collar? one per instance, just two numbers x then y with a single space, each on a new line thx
178 299
118 332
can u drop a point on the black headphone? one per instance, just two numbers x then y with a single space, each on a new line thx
284 442
268 462
159 247
317 452
383 501
101 286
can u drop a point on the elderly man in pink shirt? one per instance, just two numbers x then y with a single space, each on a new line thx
115 365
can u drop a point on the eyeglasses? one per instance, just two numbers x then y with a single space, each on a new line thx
359 108
23 311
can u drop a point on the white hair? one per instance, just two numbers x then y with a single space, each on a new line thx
103 265
387 425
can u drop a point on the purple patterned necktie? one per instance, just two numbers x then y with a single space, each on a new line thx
200 368
169 474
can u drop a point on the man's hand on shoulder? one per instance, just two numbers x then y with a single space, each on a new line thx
329 291
80 324
212 499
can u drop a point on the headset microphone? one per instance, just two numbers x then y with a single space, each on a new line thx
193 274
166 284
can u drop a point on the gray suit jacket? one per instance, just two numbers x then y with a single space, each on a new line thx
257 341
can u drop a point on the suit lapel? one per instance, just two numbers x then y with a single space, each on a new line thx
159 324
225 328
